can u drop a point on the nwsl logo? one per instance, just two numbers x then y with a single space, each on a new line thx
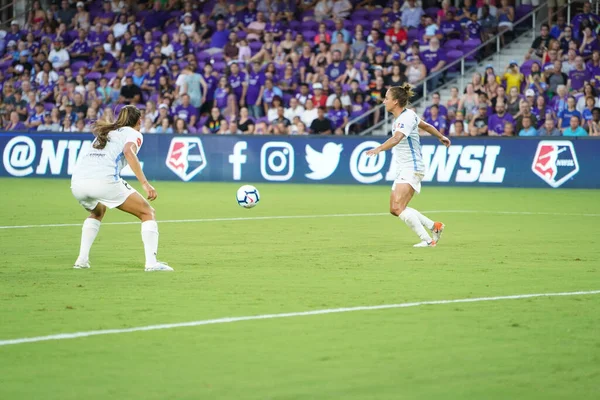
186 157
555 162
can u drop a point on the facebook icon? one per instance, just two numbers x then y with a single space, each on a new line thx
237 159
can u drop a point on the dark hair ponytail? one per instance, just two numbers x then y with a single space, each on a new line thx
128 116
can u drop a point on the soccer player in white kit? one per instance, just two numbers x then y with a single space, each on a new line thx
410 168
97 185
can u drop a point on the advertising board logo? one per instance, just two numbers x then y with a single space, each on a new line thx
18 156
323 163
277 161
186 157
367 169
555 162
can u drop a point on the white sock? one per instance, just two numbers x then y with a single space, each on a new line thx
427 223
89 231
150 239
410 217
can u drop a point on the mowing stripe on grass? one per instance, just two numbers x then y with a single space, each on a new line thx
273 217
75 335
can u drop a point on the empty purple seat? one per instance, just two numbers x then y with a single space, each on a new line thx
110 75
329 24
452 56
432 12
49 106
78 64
156 35
360 14
255 46
522 11
453 44
93 76
310 26
205 56
365 23
219 66
375 14
296 25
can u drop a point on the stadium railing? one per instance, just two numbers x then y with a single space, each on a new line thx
468 59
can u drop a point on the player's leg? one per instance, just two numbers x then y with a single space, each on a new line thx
401 195
136 205
89 231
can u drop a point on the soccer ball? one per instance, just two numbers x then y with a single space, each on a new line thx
248 196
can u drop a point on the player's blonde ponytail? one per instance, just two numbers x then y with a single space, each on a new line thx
128 116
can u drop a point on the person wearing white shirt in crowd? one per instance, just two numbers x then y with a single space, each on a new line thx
52 75
493 9
295 109
338 93
59 56
120 27
310 113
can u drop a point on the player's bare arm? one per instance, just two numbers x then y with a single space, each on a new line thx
130 152
388 144
434 132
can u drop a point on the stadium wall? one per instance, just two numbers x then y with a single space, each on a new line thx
502 162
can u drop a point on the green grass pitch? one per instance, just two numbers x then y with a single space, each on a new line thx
539 348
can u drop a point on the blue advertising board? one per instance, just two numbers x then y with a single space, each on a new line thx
509 162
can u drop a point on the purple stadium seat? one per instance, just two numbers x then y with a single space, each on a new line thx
286 99
453 44
365 23
205 56
72 35
330 24
49 106
241 35
219 66
432 12
522 11
360 14
349 25
412 35
375 14
156 35
309 35
526 67
255 46
452 56
78 64
110 75
308 14
310 26
217 57
93 76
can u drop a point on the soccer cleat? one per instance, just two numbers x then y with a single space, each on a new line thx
80 265
425 244
159 266
438 229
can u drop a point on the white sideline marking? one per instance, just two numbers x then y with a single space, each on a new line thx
75 335
273 217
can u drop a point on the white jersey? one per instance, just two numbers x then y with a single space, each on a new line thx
106 164
408 152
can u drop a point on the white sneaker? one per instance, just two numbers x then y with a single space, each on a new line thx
159 266
80 265
425 244
438 229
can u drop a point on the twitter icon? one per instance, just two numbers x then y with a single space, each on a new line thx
323 163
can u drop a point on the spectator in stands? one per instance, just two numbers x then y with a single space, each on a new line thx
310 113
578 76
488 22
450 28
436 119
435 60
473 28
557 78
81 20
542 111
272 112
15 123
479 125
164 126
574 128
338 117
524 111
321 125
540 44
435 101
323 10
512 76
339 29
59 56
537 86
279 125
130 93
586 114
564 116
214 121
586 18
431 30
186 111
458 128
594 124
569 64
221 94
396 78
454 101
269 93
396 34
256 28
341 9
181 128
564 37
496 121
245 123
506 17
527 128
66 14
469 102
588 91
411 16
548 129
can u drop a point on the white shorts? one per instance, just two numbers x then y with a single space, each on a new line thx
90 192
411 177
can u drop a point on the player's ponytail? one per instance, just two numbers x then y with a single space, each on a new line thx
402 94
128 116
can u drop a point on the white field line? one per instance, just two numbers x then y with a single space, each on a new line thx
75 335
274 217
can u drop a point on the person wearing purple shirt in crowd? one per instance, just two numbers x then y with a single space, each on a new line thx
593 66
150 82
102 62
435 101
338 117
450 27
269 93
274 27
148 43
221 94
80 49
473 28
254 91
139 56
160 68
434 60
211 85
578 76
14 33
220 36
249 15
186 111
156 18
237 81
587 15
437 120
106 16
335 71
377 40
496 121
37 117
15 123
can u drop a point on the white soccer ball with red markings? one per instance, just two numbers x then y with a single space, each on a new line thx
248 196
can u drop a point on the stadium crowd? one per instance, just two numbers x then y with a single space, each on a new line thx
280 66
